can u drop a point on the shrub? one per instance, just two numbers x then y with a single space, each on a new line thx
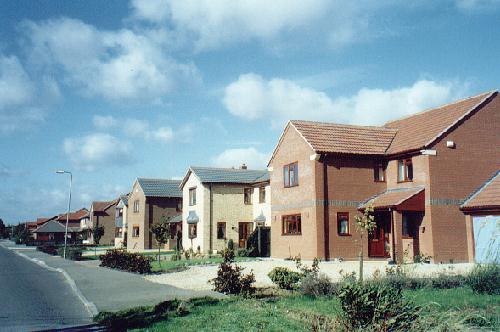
243 252
485 279
446 281
229 278
230 245
285 278
317 285
376 306
73 253
48 249
126 261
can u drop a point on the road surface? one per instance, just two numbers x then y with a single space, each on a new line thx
34 298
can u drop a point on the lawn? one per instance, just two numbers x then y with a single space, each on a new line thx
294 312
174 266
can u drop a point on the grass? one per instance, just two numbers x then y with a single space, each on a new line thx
172 266
458 307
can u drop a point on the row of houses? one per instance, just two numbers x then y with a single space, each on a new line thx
428 176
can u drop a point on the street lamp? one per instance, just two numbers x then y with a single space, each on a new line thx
69 208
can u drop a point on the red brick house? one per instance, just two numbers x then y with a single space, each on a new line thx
415 171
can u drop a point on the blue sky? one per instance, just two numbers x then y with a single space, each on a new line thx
116 90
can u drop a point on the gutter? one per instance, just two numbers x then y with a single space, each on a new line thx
211 217
326 214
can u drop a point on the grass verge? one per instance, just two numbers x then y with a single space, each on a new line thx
174 266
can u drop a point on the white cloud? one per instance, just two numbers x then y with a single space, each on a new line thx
253 97
22 101
116 65
97 151
136 128
211 23
104 122
236 157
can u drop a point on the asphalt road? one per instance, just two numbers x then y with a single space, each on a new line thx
34 298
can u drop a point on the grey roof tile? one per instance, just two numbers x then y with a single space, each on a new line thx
160 187
230 175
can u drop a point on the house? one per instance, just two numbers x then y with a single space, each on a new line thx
121 222
482 220
75 218
152 201
415 171
33 225
221 204
102 214
53 232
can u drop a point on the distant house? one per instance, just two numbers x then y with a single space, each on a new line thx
152 201
75 218
482 219
415 171
102 214
121 221
220 204
32 226
53 232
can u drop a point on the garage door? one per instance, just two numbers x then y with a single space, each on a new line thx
487 238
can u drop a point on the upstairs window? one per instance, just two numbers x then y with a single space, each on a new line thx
262 195
343 223
379 172
136 206
192 196
291 175
292 225
135 231
405 170
247 193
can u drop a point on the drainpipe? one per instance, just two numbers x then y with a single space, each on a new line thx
393 236
326 210
211 218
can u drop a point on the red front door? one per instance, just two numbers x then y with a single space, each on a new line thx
245 229
379 239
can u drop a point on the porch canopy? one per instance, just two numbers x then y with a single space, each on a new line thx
486 199
400 199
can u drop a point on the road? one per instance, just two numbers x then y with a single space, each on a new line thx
34 298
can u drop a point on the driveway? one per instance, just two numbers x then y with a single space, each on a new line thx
112 290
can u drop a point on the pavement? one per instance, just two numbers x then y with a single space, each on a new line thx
103 289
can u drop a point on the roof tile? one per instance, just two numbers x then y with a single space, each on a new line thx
160 187
487 196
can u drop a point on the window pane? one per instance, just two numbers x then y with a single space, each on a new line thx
409 170
286 179
401 170
296 173
292 175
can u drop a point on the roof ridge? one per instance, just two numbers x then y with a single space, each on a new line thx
491 92
478 190
345 125
228 169
157 179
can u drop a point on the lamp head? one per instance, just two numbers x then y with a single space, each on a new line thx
60 172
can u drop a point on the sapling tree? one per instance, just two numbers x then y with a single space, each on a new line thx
97 233
365 224
161 232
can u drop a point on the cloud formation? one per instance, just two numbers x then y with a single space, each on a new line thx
236 157
97 151
252 97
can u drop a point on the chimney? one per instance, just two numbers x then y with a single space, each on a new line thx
243 166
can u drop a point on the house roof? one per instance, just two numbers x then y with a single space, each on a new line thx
101 206
485 197
160 187
124 199
41 221
53 226
391 198
340 138
422 129
408 134
77 215
227 175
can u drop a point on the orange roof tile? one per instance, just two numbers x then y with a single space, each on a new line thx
422 129
486 197
103 206
339 138
77 215
391 197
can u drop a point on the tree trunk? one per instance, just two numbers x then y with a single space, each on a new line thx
361 260
159 248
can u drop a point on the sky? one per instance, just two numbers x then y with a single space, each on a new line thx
115 90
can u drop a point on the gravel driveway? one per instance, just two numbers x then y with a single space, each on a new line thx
196 277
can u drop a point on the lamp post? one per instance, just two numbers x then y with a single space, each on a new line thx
69 208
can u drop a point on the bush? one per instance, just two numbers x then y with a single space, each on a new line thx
126 261
48 249
285 278
446 281
73 253
317 285
229 278
243 252
230 245
376 306
485 279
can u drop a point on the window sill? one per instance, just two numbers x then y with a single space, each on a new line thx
295 234
405 181
379 181
347 234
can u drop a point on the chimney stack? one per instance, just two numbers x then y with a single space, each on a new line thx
243 166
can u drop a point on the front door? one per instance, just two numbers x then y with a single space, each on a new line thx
379 239
244 230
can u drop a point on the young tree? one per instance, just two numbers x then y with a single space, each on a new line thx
365 224
97 233
161 231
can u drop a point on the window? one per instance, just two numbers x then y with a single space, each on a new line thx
247 192
136 206
292 225
192 231
192 196
262 195
405 170
119 213
379 172
291 175
118 232
221 230
135 231
343 223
